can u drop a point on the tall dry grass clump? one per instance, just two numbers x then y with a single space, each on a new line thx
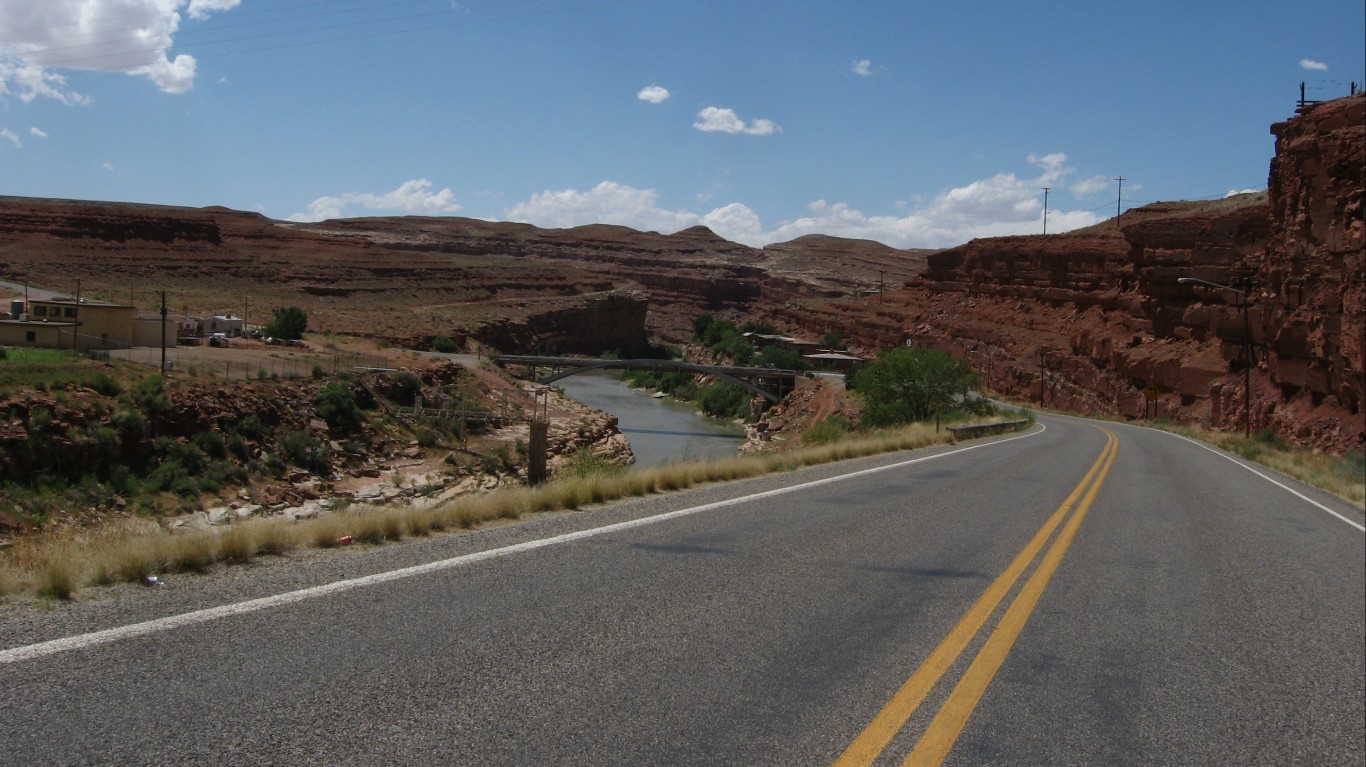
57 571
11 579
124 556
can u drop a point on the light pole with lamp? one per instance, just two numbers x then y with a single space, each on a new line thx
1247 346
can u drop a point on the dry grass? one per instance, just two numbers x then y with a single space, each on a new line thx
57 571
57 567
11 580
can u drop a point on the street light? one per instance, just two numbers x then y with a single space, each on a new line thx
1247 346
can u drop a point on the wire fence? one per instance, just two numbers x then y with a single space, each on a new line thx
260 365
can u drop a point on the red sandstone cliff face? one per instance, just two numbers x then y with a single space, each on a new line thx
1087 320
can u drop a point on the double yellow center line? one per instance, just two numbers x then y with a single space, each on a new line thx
948 723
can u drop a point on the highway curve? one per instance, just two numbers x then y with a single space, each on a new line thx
1084 593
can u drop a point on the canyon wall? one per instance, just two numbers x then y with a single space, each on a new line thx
1089 320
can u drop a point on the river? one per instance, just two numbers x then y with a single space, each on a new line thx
660 431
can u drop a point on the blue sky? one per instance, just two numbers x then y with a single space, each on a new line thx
914 124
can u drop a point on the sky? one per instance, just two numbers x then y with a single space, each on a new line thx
915 124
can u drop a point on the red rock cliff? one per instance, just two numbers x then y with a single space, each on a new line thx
1087 320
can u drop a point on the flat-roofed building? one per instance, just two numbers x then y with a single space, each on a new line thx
88 324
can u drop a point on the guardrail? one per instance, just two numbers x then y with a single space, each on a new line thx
987 429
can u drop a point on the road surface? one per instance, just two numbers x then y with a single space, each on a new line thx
1085 593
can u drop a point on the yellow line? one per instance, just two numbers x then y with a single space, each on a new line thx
948 724
874 739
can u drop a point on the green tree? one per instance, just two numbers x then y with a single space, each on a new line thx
905 385
774 356
290 323
336 404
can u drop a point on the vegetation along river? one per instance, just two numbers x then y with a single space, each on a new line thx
660 431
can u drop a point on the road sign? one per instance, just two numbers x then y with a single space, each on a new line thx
1152 392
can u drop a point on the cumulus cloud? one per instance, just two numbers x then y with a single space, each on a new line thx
722 120
6 133
1318 66
37 132
1090 186
863 68
1236 192
606 203
202 9
654 94
412 197
1003 204
129 36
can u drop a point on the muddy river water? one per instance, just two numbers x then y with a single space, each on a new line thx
660 431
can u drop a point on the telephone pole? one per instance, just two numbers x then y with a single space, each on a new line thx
163 332
1045 209
1120 197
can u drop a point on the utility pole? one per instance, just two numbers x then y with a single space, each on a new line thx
1045 209
1120 197
163 332
1043 378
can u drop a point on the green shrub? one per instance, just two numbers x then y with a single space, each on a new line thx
238 447
212 443
105 384
832 429
130 425
251 427
185 453
724 400
907 385
149 396
168 475
289 322
306 451
336 404
407 386
445 345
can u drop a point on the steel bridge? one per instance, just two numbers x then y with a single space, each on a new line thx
780 381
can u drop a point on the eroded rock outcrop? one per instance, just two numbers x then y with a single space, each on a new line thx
1089 319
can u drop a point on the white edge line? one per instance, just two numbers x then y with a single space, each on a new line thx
80 641
1266 477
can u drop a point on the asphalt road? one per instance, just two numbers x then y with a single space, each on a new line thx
1086 594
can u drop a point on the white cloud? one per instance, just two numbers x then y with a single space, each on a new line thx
107 165
1090 186
863 68
606 203
1236 192
202 9
654 94
412 197
1003 204
6 133
129 36
722 120
37 132
1314 65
